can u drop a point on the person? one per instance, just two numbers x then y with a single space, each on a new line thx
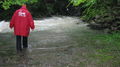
22 22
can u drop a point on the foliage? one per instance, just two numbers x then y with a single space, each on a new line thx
93 7
7 3
111 39
103 13
40 9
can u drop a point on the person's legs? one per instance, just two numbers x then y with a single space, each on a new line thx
18 43
25 42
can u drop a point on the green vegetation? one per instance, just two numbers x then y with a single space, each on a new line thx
103 13
104 49
8 7
38 8
94 7
7 3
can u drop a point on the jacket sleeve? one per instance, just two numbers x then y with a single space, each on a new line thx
12 20
31 22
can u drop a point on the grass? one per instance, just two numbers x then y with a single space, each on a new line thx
101 48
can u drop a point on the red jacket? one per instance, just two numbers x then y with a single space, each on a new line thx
22 22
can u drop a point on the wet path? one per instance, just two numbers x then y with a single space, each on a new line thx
52 47
49 45
58 42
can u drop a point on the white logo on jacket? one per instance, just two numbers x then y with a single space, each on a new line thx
23 14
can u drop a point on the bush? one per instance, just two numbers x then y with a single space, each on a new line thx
104 13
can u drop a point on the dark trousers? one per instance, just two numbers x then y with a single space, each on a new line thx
21 42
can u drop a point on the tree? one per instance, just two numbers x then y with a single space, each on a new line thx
104 13
94 7
7 3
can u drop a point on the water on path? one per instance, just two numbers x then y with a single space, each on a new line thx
49 44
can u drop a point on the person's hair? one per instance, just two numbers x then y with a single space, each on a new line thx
23 4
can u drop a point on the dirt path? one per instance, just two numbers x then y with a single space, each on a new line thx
52 47
49 45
